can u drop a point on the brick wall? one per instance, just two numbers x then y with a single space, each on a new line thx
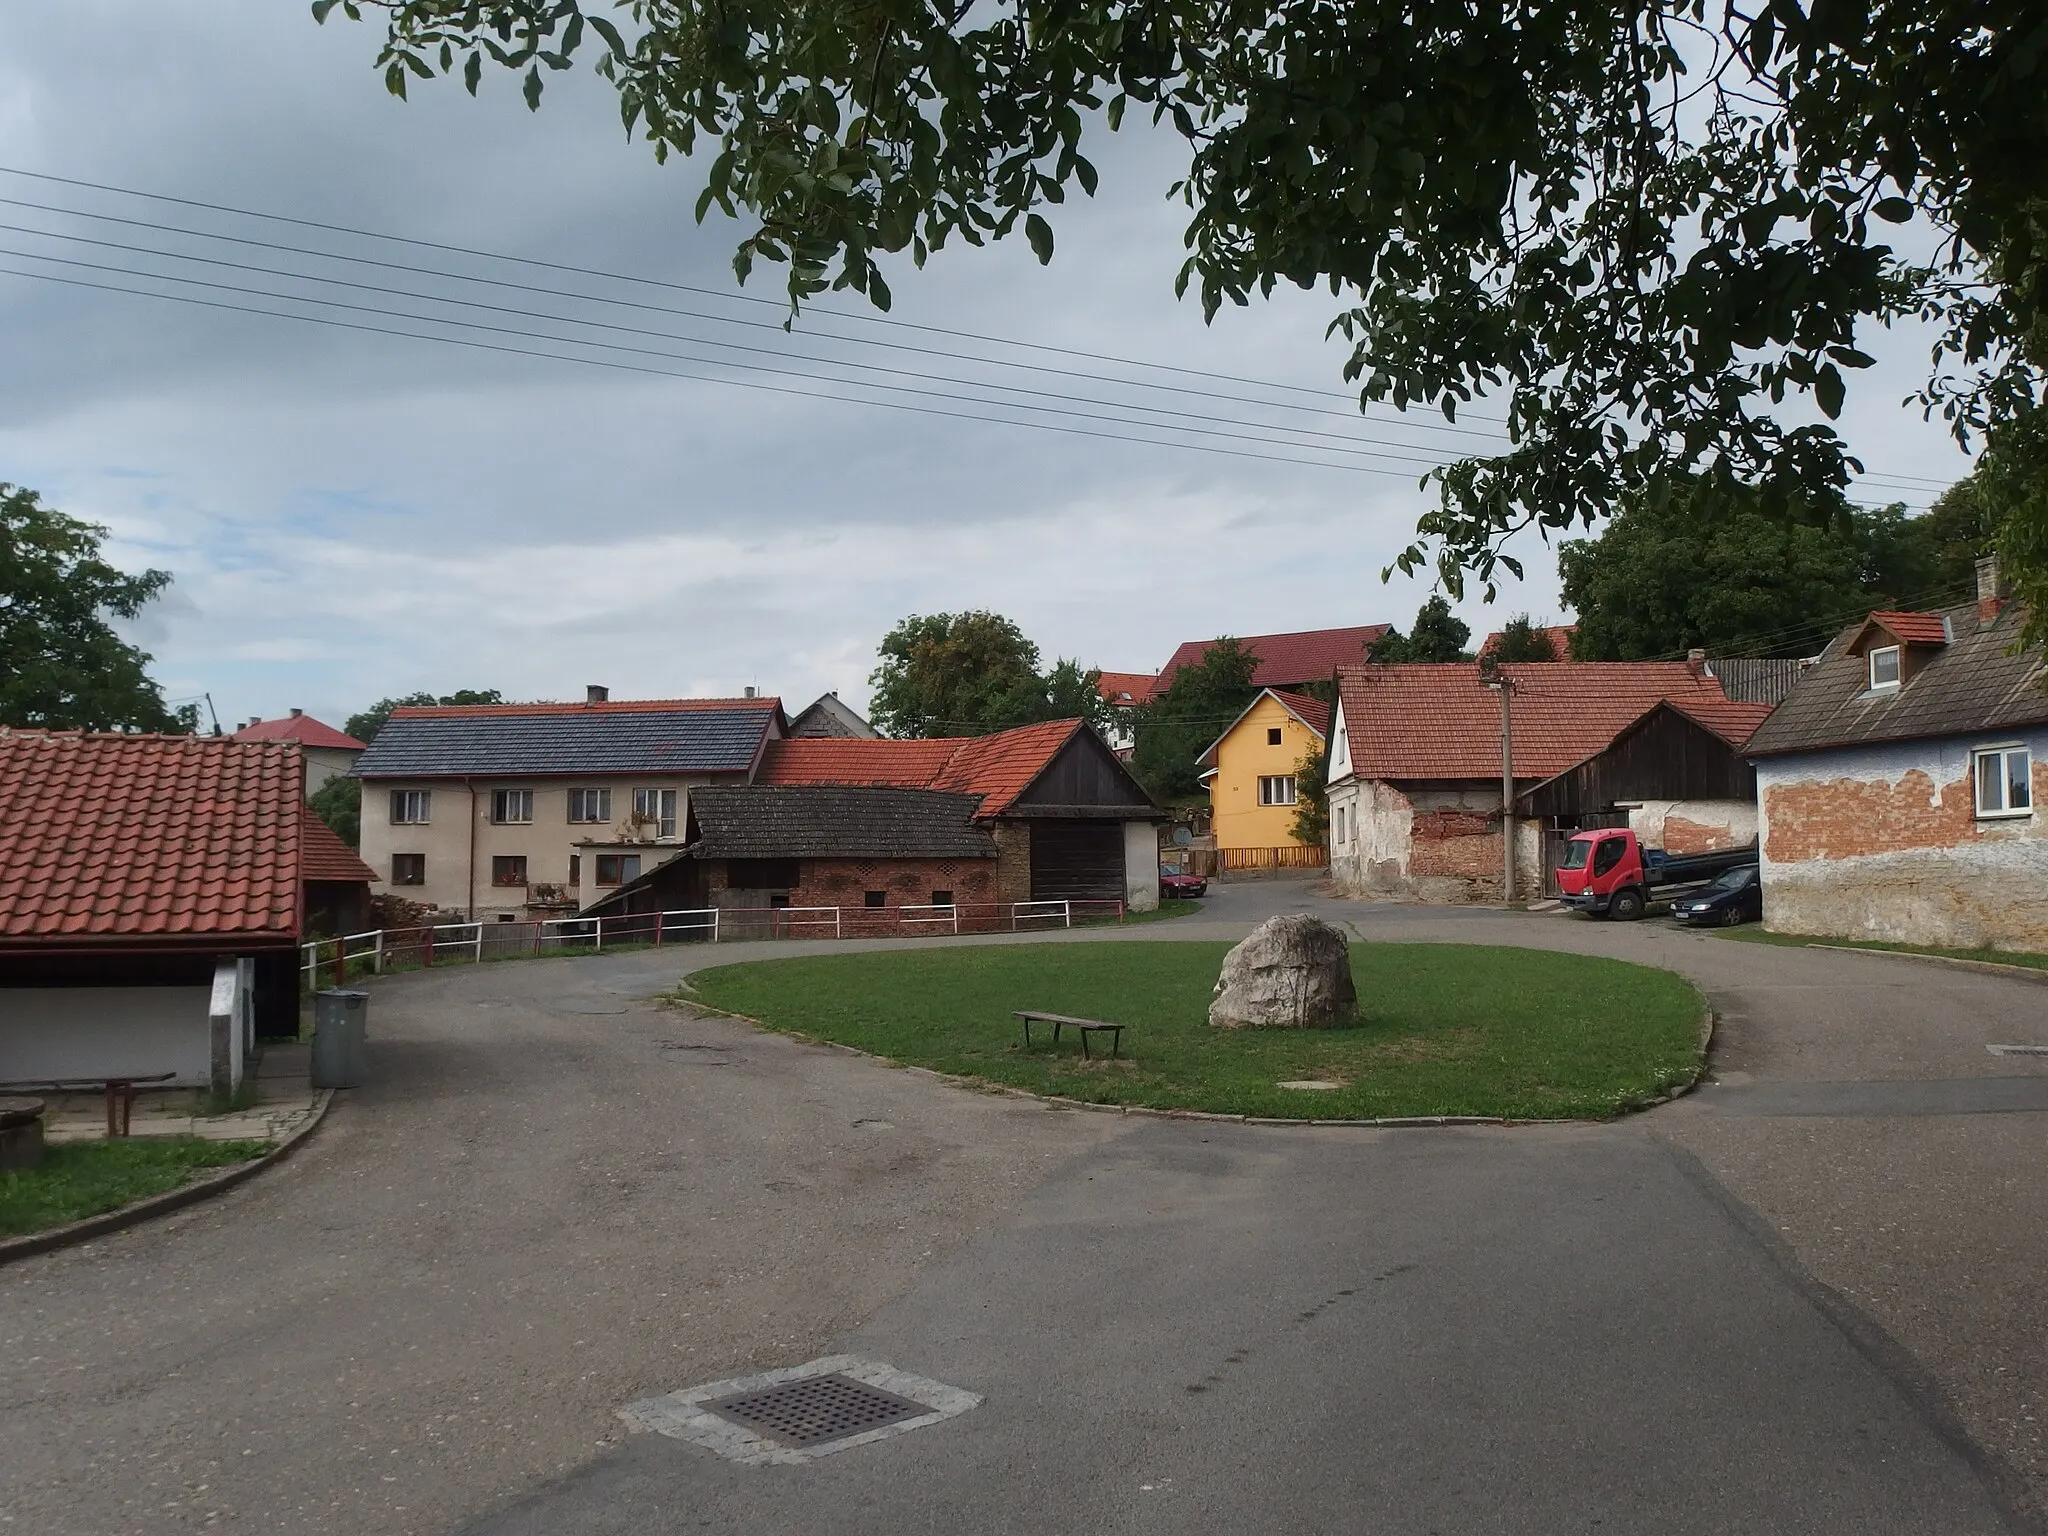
903 882
1438 843
1885 843
1013 861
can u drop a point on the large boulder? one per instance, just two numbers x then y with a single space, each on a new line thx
1294 972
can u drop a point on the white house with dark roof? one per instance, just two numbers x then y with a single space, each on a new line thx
517 810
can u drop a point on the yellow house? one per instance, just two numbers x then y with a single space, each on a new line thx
1249 771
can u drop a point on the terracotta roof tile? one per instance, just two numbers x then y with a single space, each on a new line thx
1125 687
323 855
107 835
303 729
997 767
1303 656
1914 628
1559 635
1734 722
1437 721
1313 713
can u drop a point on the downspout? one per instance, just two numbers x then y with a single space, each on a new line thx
470 785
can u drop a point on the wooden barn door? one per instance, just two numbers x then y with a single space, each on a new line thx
1077 860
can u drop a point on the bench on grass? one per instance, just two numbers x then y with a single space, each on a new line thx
1060 1021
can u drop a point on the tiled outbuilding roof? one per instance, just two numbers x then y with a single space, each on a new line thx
1437 721
1302 656
324 856
303 729
1125 687
995 768
106 837
621 736
1969 685
836 821
1734 722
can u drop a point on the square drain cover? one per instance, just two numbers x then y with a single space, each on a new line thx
801 1412
814 1409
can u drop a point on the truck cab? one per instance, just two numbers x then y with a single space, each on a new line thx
1607 872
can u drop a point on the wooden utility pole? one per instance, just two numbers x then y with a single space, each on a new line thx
1491 676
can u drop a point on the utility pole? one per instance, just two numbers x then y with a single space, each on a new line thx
1491 676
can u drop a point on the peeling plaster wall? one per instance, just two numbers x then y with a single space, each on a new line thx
1884 843
1694 826
1435 842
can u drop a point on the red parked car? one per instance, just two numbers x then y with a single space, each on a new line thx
1179 886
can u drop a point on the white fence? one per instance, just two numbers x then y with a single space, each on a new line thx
383 949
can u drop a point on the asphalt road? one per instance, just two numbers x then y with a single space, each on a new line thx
1749 1311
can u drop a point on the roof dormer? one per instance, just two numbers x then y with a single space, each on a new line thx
1894 646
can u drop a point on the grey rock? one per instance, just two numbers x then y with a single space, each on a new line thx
1293 972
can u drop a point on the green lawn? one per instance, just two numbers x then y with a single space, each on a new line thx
83 1178
1447 1029
2027 958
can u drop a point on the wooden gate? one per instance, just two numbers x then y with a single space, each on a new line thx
1077 860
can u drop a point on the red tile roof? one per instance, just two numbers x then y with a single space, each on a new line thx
107 836
1560 636
1914 628
1313 713
996 767
1304 656
1125 687
605 707
324 856
303 729
1732 721
1437 721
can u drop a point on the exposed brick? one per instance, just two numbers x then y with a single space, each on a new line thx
1848 818
1685 836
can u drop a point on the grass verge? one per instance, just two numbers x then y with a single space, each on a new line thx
1446 1029
2027 958
80 1179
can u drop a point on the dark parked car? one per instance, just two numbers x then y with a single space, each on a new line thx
1172 885
1736 896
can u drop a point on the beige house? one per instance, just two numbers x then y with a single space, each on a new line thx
506 811
327 752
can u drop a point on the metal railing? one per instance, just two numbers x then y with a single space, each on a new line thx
384 949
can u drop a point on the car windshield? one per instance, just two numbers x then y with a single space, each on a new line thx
1575 854
1735 879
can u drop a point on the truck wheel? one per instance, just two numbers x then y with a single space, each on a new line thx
1626 906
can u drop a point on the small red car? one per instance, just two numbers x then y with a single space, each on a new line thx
1182 885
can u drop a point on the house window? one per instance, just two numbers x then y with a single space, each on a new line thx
1273 737
508 870
942 898
656 808
1884 667
2004 782
575 869
617 868
408 869
1343 811
411 807
877 898
1276 789
590 805
512 807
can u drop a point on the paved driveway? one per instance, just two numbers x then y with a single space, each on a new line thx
555 1198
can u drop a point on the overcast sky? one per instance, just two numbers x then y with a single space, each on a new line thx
350 515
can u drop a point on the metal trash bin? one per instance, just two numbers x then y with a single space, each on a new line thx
341 1020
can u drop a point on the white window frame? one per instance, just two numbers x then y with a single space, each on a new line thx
657 806
1898 656
412 807
1276 789
584 799
503 800
2003 754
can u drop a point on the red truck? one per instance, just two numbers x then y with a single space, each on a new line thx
1608 873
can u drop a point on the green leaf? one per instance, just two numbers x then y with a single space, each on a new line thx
1039 233
1085 174
321 8
532 88
472 70
1893 210
1828 391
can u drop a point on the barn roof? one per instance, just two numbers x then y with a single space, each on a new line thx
826 821
996 768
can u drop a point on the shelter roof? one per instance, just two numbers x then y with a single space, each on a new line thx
303 729
107 836
606 738
865 821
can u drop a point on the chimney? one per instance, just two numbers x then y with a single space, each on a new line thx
595 693
1696 662
296 712
255 719
1991 590
749 693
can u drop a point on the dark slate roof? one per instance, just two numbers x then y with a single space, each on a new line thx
1967 686
835 821
668 736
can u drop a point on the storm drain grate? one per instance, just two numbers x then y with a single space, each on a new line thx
2017 1050
813 1410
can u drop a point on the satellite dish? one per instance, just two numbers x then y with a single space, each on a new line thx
1182 837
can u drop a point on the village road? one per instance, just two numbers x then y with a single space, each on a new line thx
555 1198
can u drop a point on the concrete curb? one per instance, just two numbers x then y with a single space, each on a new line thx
2031 973
1057 1102
32 1243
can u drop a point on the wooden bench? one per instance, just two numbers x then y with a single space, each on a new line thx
120 1092
1060 1021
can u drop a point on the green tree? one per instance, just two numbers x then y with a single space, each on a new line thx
1522 639
1437 635
62 666
1311 798
1074 692
1639 227
962 674
365 725
1189 713
1707 567
2006 495
339 803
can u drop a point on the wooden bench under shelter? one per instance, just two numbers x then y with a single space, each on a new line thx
120 1092
1060 1021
